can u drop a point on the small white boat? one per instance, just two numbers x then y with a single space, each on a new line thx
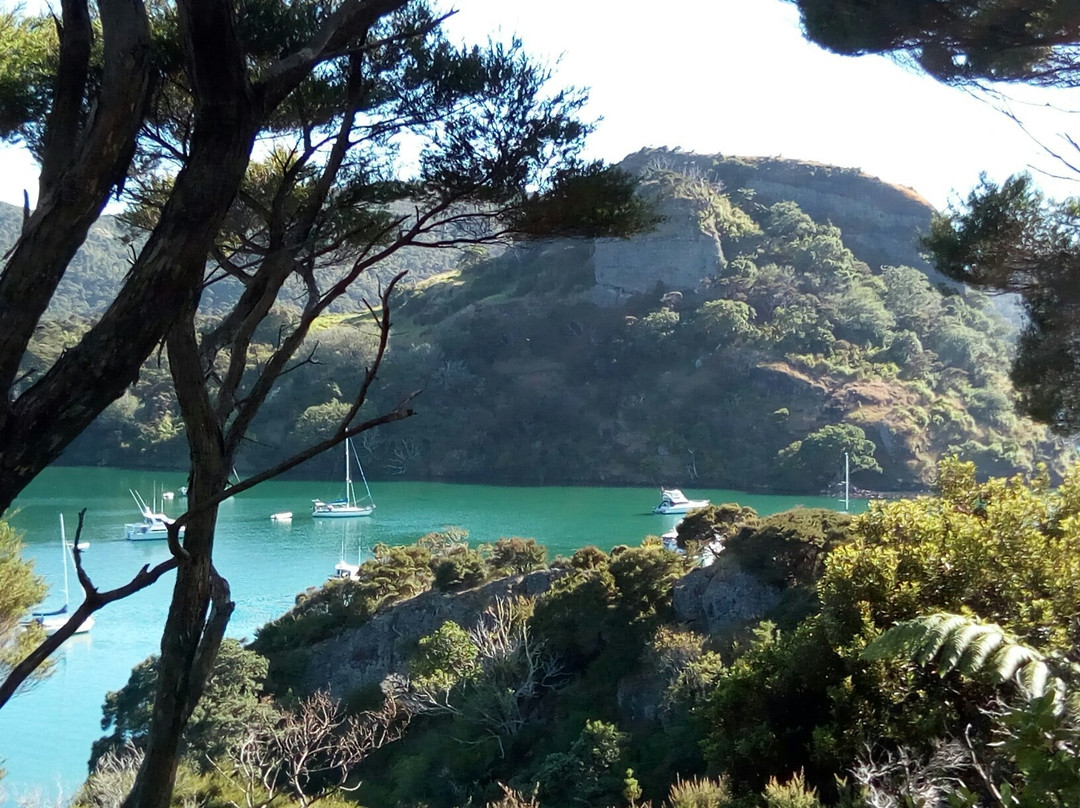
672 500
53 621
343 569
154 524
708 553
347 507
670 540
167 495
283 516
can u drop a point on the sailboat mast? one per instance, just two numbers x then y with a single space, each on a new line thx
64 549
847 482
349 495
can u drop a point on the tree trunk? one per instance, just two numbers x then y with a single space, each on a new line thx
170 267
198 614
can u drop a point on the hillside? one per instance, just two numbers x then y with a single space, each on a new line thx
99 267
779 316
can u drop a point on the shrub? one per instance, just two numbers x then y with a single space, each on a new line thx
462 568
644 577
516 556
792 794
789 549
700 793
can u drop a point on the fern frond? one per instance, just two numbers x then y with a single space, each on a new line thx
1035 681
937 629
1072 708
978 651
969 647
900 640
1013 658
959 639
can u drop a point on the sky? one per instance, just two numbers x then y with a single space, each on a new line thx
736 77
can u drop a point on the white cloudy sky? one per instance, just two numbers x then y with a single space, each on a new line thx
736 77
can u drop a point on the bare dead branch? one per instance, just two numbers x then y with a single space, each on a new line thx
308 754
93 601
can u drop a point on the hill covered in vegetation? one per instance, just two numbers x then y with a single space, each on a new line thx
444 674
777 317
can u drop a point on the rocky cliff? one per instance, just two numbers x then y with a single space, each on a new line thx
881 223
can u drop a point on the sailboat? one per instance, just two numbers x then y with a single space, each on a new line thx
155 524
343 569
347 507
53 621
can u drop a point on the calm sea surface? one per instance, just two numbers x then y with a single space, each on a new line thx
46 732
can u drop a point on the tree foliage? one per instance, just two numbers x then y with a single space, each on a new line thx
20 591
1009 238
1006 549
231 704
957 41
1005 238
814 454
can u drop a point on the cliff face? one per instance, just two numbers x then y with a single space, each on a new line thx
678 255
881 223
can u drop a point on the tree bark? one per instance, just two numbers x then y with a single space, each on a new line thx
200 607
42 421
170 267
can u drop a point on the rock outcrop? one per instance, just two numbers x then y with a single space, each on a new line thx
677 255
713 599
384 645
709 600
880 222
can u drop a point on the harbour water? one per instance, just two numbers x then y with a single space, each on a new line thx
46 732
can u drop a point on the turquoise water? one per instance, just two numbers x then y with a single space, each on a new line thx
46 732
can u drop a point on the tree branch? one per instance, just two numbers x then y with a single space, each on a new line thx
93 601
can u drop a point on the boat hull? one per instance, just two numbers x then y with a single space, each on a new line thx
140 532
343 512
682 507
51 625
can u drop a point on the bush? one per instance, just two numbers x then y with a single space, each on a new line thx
789 549
700 793
462 568
516 556
792 794
644 577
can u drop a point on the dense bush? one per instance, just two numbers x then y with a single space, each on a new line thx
591 694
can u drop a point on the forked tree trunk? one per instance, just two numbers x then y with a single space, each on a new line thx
198 615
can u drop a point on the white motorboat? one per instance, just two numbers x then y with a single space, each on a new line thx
53 621
283 516
670 540
346 507
343 569
154 524
672 500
